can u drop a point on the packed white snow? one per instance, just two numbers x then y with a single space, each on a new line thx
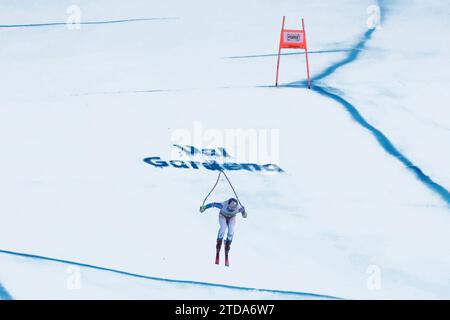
81 108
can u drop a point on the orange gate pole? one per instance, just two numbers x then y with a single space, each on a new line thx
279 51
306 54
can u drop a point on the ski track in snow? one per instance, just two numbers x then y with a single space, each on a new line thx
384 142
5 295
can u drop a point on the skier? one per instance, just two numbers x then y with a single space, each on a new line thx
227 219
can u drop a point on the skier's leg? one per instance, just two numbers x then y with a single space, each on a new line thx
223 227
220 235
227 247
218 245
230 222
227 250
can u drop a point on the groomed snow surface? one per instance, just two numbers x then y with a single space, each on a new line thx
360 211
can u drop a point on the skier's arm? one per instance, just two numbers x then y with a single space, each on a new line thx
211 205
214 205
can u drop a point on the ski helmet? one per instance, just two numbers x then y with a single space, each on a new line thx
232 203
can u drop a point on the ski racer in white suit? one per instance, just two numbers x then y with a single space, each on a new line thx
227 219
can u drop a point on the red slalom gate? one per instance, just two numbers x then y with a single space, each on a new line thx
293 39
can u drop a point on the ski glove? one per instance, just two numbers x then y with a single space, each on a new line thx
244 214
202 209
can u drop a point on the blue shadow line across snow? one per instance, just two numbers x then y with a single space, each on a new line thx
287 54
189 282
384 142
52 24
4 294
352 55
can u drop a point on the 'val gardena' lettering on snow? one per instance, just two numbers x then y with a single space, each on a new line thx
209 164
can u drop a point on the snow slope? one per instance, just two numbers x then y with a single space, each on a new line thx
81 109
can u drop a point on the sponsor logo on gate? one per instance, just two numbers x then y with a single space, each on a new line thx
293 37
